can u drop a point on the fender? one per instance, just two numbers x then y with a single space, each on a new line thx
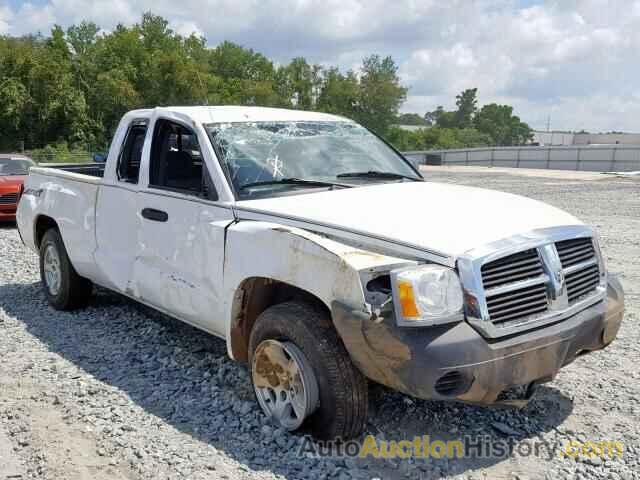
327 269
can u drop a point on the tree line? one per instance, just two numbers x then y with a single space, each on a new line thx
466 126
68 90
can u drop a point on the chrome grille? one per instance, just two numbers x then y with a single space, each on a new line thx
575 251
525 286
516 305
514 268
532 279
9 198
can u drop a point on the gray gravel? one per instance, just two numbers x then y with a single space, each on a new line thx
118 391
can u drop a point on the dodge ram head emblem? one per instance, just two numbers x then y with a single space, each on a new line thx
556 286
559 277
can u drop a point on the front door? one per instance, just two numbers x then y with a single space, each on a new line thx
182 233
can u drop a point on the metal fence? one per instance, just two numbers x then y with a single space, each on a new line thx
600 158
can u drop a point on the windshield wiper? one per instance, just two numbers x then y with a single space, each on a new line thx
295 181
377 174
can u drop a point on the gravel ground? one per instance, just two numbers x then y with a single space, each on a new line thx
118 392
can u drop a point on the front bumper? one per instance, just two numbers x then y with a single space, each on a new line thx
454 362
8 212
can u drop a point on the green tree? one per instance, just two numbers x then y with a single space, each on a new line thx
299 83
502 126
381 93
410 119
339 93
467 103
441 118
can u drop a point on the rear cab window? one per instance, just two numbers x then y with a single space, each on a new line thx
131 153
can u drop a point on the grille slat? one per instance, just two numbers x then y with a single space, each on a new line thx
591 282
519 303
576 259
490 269
8 198
568 253
520 314
593 270
503 280
535 303
574 251
527 269
579 293
508 301
510 269
582 282
540 287
591 277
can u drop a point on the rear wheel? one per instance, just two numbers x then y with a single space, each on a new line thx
302 374
63 287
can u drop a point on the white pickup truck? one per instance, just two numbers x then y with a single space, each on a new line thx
324 259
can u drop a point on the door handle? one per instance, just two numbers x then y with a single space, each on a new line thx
155 215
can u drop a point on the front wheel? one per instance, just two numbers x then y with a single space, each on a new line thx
63 287
302 374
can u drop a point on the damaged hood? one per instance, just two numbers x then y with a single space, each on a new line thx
437 217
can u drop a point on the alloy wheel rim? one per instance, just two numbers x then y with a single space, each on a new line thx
284 382
52 273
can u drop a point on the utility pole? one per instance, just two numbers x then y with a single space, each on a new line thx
548 123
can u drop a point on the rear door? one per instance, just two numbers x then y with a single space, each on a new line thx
182 232
117 221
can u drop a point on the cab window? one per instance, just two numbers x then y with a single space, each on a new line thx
177 163
131 152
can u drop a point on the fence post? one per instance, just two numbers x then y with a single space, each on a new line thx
517 158
492 155
467 158
548 158
578 155
613 160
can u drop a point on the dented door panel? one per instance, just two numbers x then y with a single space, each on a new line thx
178 268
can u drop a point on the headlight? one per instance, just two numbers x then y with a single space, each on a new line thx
426 295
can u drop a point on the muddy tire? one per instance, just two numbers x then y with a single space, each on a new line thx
63 287
341 394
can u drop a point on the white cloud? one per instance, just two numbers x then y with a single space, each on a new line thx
6 16
572 59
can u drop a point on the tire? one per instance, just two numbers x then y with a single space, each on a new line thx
70 291
342 390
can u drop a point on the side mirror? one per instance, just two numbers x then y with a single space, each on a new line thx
99 158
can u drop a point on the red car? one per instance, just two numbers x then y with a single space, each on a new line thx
13 171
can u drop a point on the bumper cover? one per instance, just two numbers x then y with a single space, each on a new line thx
8 212
454 362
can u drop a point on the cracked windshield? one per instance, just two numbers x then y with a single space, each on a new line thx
268 158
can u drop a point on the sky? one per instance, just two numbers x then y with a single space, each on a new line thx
571 62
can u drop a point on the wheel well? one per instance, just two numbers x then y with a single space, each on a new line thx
252 298
43 223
